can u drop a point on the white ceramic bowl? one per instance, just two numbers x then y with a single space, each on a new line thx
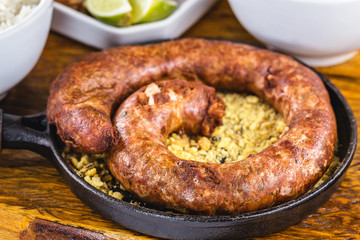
319 32
22 44
92 32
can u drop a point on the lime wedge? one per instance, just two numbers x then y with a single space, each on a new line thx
151 10
114 12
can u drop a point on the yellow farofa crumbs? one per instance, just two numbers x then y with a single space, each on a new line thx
93 169
249 126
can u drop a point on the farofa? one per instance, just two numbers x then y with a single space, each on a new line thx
92 168
249 126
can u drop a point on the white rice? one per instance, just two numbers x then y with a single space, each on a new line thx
14 11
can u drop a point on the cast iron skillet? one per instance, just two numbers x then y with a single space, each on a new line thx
35 134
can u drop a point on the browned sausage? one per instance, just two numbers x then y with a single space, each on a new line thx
142 163
84 96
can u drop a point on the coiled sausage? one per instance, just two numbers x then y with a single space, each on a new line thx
86 94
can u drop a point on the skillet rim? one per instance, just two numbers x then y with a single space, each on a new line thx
180 216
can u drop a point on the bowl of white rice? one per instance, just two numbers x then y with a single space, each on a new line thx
24 27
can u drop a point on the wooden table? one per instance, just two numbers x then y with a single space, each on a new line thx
30 186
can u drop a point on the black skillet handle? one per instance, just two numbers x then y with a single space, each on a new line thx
25 132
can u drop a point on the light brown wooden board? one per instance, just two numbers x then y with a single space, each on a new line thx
30 186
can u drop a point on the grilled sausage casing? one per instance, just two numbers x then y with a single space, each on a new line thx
86 94
142 163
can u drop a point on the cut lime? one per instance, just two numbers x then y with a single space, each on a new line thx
114 12
151 10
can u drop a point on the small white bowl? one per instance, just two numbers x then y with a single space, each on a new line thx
21 45
92 32
319 32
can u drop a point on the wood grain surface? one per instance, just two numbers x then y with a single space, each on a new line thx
30 186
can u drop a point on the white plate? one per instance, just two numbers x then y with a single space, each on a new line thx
90 31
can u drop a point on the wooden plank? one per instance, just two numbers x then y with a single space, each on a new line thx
30 186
